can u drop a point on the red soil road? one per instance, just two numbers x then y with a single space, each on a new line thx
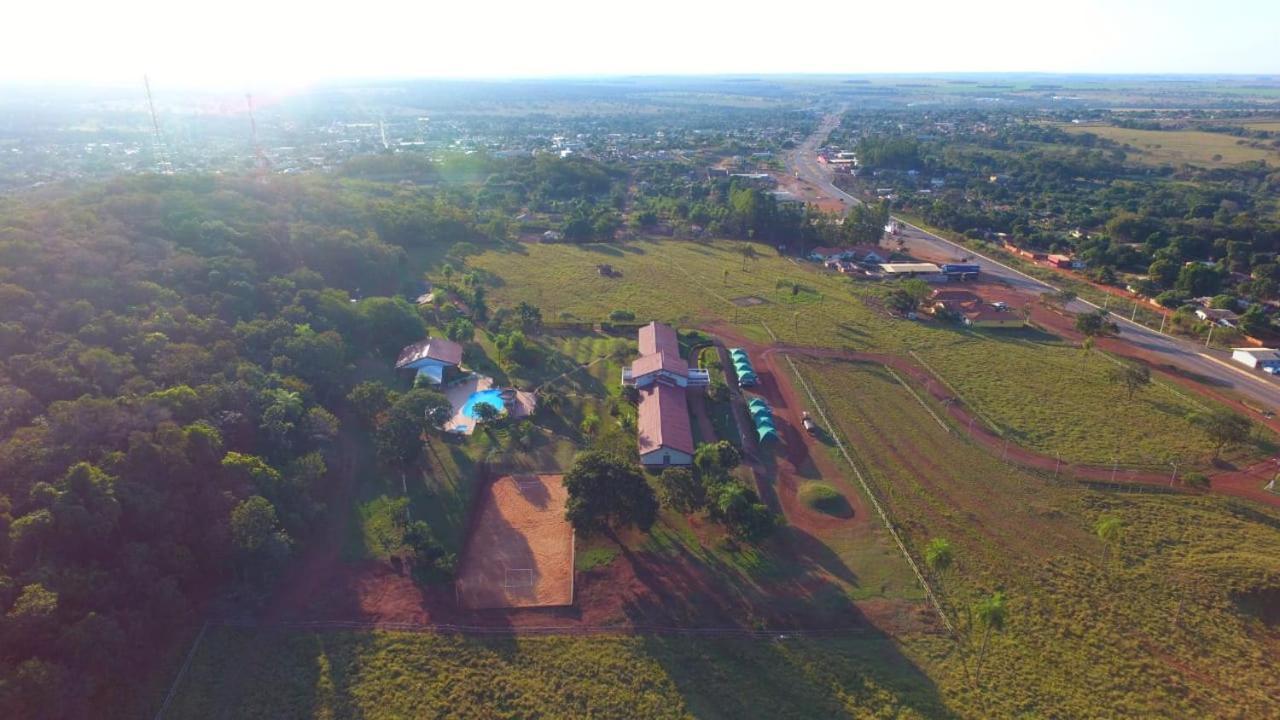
799 457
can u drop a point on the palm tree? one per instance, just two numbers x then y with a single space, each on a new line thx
991 615
939 556
1110 531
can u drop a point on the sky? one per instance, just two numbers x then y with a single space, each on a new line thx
261 44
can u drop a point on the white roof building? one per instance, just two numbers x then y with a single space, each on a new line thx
1256 357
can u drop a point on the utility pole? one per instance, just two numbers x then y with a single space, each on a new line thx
1173 478
1210 338
1135 313
1163 317
162 164
263 165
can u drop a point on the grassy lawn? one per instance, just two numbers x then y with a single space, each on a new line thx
684 283
1176 147
1053 398
1166 627
278 675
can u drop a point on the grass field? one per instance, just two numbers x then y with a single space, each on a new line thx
251 674
1078 413
684 283
1166 627
1176 147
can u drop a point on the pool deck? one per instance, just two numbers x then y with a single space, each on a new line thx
458 395
520 404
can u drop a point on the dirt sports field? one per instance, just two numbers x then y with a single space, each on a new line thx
520 550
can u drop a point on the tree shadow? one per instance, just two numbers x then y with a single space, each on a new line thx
840 675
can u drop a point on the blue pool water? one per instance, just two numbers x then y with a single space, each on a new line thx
492 397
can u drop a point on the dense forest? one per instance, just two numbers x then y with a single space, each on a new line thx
177 356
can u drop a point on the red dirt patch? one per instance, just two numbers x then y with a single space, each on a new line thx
519 551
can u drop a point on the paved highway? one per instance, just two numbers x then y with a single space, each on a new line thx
1256 386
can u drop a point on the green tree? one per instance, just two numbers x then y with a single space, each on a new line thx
939 556
1131 376
1060 298
1096 324
399 438
1254 321
1223 427
918 290
718 458
1198 280
607 492
253 523
681 491
1110 531
370 399
486 414
530 317
991 615
899 301
740 509
460 330
1164 272
391 324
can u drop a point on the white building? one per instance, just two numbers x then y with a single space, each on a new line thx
1266 359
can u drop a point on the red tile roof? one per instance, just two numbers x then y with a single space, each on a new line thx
659 338
663 419
439 349
646 364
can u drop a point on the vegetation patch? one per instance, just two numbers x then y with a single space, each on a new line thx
823 498
1152 574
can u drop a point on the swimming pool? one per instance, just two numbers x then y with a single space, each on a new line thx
492 397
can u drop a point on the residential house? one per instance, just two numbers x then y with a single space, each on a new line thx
430 358
1219 316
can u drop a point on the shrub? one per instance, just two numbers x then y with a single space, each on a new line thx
824 499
